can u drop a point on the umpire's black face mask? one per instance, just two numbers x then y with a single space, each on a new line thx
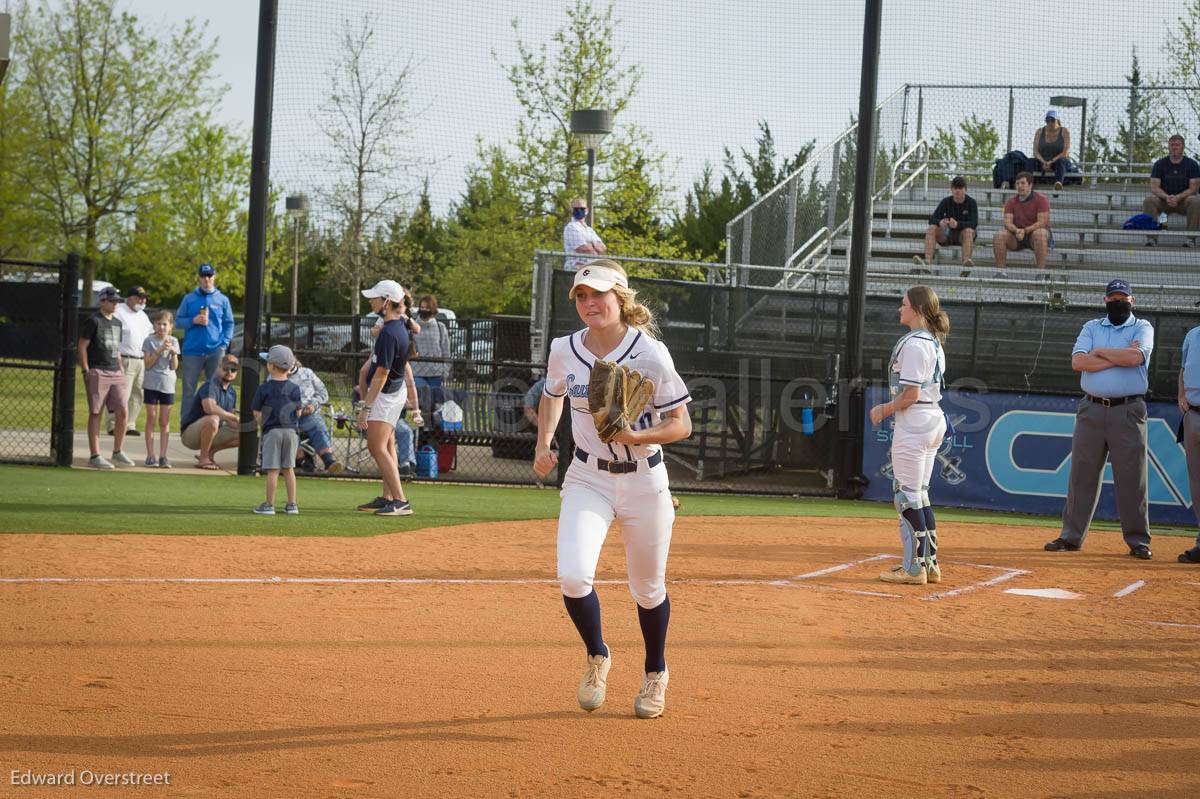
1119 308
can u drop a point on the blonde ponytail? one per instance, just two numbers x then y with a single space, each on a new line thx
925 302
633 313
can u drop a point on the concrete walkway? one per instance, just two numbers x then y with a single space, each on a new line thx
181 457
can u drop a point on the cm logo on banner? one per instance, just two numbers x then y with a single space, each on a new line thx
1167 477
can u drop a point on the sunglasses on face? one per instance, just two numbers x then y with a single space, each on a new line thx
230 368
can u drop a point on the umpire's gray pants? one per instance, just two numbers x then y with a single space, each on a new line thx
1100 430
1191 446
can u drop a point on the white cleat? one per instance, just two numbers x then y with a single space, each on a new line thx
899 574
933 573
651 702
594 683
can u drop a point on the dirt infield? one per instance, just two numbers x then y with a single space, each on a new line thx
390 687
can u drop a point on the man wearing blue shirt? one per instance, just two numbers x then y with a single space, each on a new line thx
1189 403
206 319
1112 355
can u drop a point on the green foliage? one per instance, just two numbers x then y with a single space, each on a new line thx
195 214
975 140
707 209
1183 59
1149 135
109 100
516 201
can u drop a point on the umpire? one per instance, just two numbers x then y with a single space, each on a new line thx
1112 355
1189 403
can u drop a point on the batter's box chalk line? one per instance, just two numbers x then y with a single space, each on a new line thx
1006 574
799 581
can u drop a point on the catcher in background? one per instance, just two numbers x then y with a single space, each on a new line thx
626 401
915 379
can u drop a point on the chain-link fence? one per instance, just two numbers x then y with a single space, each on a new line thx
38 302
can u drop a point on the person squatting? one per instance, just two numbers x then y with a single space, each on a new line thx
915 378
623 480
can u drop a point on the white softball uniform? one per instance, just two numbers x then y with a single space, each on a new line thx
917 360
607 482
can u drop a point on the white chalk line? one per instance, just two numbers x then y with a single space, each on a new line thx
1174 624
793 582
1129 589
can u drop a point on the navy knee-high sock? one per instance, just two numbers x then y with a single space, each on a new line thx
585 613
654 633
930 524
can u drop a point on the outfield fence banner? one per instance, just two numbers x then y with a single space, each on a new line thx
1012 452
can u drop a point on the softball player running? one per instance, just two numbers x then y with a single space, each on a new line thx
915 379
624 480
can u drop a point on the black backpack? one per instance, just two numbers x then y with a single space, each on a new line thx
1004 172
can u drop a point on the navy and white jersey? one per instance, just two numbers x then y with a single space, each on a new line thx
918 360
569 371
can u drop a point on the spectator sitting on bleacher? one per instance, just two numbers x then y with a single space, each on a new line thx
953 223
313 395
1051 148
1026 226
1174 188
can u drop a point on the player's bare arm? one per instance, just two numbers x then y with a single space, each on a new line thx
904 399
549 411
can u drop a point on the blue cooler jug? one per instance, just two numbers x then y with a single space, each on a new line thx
427 462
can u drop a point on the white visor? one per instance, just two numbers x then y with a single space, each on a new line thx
601 278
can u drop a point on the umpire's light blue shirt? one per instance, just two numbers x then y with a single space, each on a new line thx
1191 365
1118 381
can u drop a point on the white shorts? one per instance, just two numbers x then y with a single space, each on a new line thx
388 408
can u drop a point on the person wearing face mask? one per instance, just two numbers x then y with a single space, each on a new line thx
1112 355
431 365
136 327
206 319
578 236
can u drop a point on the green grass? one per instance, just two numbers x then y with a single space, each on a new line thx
27 398
49 500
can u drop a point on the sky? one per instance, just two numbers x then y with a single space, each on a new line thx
711 69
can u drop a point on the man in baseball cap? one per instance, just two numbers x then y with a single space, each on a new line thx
385 289
1112 356
206 318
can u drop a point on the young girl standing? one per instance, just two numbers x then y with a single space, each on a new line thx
161 351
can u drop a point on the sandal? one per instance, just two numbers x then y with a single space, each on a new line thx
209 465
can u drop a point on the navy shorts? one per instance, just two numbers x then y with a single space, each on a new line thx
152 397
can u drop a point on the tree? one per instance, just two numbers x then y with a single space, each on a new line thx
527 191
1183 55
108 99
196 215
1144 111
976 140
24 232
707 210
366 121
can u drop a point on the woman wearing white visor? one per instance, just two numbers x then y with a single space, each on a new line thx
624 480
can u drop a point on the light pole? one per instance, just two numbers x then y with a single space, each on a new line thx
590 126
297 207
1066 101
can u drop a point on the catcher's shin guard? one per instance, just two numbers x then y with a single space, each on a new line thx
912 528
930 525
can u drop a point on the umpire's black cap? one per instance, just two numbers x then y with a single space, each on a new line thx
1118 286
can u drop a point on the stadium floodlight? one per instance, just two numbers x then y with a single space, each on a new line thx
1067 101
297 207
591 126
5 38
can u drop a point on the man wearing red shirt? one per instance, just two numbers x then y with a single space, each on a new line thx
1026 226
